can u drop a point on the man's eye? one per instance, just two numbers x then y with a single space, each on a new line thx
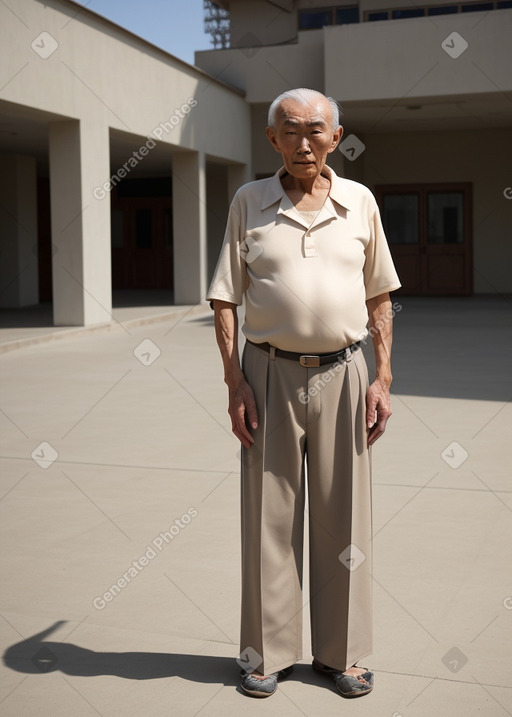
290 132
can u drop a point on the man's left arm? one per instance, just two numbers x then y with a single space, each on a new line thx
378 402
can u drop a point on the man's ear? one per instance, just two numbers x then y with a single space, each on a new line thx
336 139
272 138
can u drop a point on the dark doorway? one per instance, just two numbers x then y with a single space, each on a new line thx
141 235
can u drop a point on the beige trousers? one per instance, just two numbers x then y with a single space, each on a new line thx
311 418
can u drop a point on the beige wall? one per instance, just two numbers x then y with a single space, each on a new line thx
99 70
404 58
377 60
483 159
419 157
268 71
265 23
258 22
80 79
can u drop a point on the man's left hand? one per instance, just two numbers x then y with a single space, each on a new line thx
377 402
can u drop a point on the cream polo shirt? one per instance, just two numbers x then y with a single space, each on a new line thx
305 284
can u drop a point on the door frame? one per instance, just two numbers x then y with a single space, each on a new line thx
425 249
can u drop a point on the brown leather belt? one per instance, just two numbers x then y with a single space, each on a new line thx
311 360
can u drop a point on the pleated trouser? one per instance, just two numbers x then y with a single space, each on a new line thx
311 418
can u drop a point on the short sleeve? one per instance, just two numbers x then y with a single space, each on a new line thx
379 272
229 279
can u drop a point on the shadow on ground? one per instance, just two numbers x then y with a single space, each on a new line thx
36 655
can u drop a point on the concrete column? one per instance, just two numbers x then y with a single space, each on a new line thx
189 223
19 280
79 163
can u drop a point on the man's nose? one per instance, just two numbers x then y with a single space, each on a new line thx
304 145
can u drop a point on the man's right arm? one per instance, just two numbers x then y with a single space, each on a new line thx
241 398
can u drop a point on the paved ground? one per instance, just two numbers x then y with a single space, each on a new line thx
144 482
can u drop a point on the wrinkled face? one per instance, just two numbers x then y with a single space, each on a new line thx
304 136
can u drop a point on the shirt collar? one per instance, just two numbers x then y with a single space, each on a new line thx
274 190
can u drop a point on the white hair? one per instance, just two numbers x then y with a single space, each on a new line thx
305 97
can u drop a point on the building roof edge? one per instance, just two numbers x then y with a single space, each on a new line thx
82 9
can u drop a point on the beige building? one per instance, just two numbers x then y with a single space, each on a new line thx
119 160
425 91
114 168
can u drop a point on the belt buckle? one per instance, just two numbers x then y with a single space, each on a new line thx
309 361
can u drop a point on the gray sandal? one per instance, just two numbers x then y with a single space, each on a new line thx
262 686
348 685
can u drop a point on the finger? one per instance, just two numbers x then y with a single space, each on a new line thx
371 408
378 428
374 434
242 432
244 436
245 443
371 414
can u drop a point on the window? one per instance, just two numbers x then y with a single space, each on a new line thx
404 12
400 218
477 7
408 12
445 217
347 15
442 10
315 19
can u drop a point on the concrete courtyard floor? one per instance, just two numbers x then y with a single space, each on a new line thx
117 452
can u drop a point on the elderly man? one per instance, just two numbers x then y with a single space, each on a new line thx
307 252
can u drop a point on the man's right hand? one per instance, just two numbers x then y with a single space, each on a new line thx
242 411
